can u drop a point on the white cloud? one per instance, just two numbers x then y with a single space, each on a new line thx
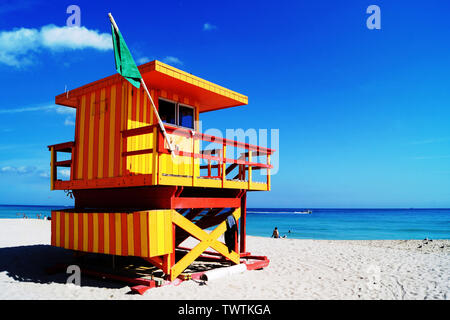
27 109
172 60
44 174
18 47
17 170
54 37
69 121
65 111
208 27
65 173
143 60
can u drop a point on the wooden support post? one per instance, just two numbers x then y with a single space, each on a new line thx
268 172
155 158
224 165
249 170
194 165
53 173
243 221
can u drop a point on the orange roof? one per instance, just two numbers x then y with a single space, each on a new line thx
158 75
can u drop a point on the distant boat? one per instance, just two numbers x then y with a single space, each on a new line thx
303 212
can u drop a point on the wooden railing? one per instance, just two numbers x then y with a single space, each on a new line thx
244 161
215 159
66 147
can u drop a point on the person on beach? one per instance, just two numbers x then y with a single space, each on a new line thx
275 233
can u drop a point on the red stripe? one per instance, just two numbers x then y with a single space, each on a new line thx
134 94
87 123
141 101
80 231
71 230
124 126
117 129
61 229
96 134
137 233
101 236
112 233
90 232
53 226
74 168
123 218
106 135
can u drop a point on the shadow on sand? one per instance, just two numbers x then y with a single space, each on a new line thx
29 264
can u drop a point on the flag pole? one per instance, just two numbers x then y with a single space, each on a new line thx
161 125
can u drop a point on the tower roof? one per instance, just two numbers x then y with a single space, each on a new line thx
158 75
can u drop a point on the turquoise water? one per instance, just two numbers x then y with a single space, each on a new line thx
332 224
12 211
351 224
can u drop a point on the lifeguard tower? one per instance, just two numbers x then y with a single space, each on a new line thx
132 198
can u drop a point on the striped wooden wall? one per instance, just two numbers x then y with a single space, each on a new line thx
101 116
142 233
139 114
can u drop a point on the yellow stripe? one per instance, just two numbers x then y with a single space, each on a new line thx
151 108
137 140
106 232
168 231
112 123
153 248
91 137
66 230
144 110
118 234
95 231
101 133
122 114
85 232
57 235
155 157
130 125
144 138
75 231
144 234
81 139
160 230
130 234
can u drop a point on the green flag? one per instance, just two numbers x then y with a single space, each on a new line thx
125 64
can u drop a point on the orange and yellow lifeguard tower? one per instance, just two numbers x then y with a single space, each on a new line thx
132 198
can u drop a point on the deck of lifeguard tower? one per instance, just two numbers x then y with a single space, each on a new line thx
132 198
118 142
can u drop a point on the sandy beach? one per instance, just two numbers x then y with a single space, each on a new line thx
299 269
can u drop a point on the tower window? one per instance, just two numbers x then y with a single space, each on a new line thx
175 113
167 111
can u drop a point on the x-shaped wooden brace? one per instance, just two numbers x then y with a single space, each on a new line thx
207 240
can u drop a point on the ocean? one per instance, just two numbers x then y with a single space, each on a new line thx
328 224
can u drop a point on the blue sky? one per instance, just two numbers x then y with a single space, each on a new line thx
363 115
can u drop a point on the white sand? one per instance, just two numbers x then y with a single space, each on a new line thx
299 269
